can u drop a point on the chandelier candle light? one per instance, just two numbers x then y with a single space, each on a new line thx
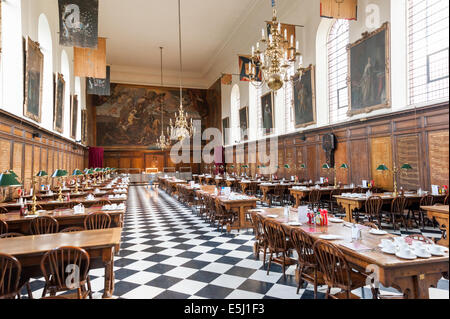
181 128
279 55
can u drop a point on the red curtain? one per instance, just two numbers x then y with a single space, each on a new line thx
96 157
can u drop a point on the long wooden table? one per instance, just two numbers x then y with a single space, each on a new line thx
101 246
440 213
303 193
357 203
54 204
267 188
65 217
241 206
412 277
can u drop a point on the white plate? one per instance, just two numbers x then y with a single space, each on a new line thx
272 216
409 257
31 216
390 252
330 237
437 254
294 224
426 256
336 220
378 232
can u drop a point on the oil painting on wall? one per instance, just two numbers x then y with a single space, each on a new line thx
243 123
33 81
369 72
305 98
131 115
267 113
58 113
74 117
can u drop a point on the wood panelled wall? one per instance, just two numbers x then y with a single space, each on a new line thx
419 137
142 159
26 155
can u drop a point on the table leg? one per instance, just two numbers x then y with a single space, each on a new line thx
108 261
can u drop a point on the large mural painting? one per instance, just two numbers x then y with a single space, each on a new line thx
131 115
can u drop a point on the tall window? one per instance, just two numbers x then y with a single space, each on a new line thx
46 44
234 116
338 39
428 45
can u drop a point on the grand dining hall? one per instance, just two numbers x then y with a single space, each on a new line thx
230 151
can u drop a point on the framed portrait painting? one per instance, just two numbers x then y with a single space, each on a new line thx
74 116
243 123
34 66
84 126
369 72
268 118
305 98
58 112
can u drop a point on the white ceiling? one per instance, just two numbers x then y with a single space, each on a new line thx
136 29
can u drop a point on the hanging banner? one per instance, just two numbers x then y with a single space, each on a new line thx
227 79
339 9
244 69
100 87
90 63
78 23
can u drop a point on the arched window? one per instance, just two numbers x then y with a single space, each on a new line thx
338 38
65 71
46 43
428 45
234 115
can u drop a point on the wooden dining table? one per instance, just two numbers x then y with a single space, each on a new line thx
66 218
101 245
54 204
357 203
246 184
240 206
440 214
412 277
300 194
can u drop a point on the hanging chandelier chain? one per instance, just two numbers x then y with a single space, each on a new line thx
181 55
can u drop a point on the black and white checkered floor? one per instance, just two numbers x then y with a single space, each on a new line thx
168 252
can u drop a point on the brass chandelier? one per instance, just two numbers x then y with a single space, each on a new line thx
163 142
276 58
181 129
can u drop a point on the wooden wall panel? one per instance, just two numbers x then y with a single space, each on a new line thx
408 152
5 155
439 157
359 161
290 160
340 157
28 166
311 163
44 160
36 159
381 153
18 160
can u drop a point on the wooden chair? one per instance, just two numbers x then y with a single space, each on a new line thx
3 210
331 203
44 225
3 227
251 189
426 200
260 238
336 271
446 200
72 230
277 195
98 220
307 268
10 271
373 209
11 235
54 265
277 244
357 190
223 217
314 199
398 210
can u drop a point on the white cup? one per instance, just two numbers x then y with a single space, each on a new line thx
421 251
399 240
387 243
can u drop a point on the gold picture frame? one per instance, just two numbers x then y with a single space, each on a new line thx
58 110
368 86
265 99
312 71
34 68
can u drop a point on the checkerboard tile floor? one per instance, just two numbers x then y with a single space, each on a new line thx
168 252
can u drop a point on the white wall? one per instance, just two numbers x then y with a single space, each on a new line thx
312 40
20 18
